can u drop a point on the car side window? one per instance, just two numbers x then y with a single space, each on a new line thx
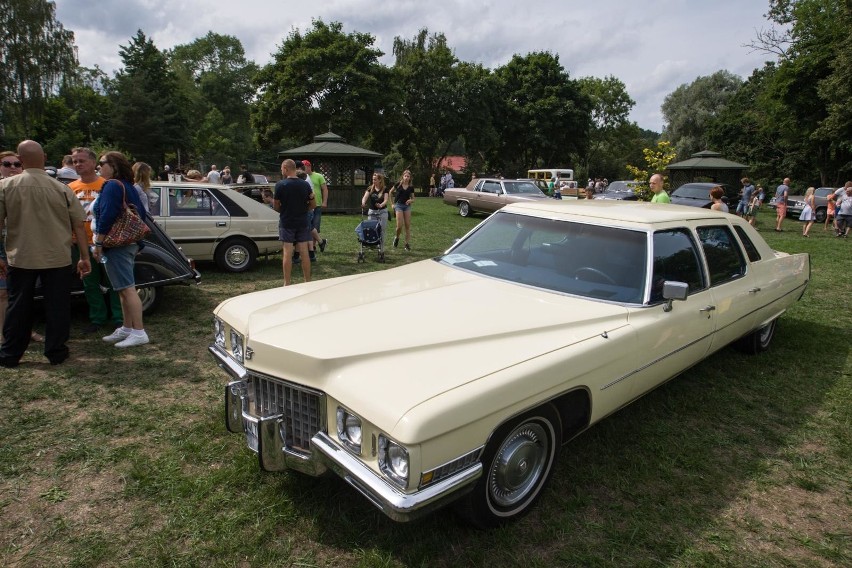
751 250
724 257
153 195
491 187
194 203
675 259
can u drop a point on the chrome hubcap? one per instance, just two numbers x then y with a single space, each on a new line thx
518 465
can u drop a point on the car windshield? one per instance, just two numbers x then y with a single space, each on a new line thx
693 192
621 186
517 187
604 263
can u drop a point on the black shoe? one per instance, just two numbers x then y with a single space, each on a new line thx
297 257
58 360
313 256
92 328
408 248
322 245
8 363
395 242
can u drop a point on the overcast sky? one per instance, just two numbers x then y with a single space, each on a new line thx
652 46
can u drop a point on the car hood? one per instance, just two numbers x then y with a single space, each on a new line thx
410 333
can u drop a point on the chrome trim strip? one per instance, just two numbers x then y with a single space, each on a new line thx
391 501
655 361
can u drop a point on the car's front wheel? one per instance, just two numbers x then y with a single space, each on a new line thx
821 213
150 297
464 209
236 254
518 463
758 340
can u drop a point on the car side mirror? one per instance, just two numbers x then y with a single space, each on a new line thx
673 290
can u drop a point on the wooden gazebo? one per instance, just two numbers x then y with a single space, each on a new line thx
706 166
347 169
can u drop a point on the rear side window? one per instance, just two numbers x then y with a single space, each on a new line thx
724 257
751 250
675 259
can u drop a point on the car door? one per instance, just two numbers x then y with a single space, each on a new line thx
671 340
734 296
196 220
490 196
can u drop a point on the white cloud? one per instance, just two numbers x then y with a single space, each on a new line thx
652 46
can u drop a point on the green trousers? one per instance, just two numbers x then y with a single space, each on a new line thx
103 306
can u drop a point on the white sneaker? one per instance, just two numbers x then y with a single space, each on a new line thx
116 336
133 340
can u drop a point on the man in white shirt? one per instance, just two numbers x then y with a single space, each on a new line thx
213 175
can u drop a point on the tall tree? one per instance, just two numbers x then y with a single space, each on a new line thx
545 117
149 114
690 108
324 80
36 53
219 84
612 137
441 102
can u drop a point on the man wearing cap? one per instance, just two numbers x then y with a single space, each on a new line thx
321 197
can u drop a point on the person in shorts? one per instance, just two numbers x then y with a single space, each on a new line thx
293 199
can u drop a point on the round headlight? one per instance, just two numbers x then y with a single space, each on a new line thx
349 429
393 461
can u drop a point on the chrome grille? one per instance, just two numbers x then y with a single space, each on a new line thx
302 409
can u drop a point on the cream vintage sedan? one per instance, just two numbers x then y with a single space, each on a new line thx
215 222
543 320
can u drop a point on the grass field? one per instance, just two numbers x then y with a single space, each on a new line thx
121 458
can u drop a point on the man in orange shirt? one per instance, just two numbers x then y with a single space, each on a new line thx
87 189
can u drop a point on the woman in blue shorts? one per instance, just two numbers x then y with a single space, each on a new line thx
402 200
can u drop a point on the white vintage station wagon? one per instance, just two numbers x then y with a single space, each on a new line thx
543 320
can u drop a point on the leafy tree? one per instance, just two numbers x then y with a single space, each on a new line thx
612 136
442 102
691 107
36 53
656 161
324 80
218 81
149 114
544 117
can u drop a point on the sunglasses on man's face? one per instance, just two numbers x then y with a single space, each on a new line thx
11 164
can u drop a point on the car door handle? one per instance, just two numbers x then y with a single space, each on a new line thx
221 224
754 291
707 310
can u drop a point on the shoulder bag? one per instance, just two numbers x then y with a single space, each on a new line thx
128 228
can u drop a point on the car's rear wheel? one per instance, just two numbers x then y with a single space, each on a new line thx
150 297
236 254
517 462
464 209
821 214
758 340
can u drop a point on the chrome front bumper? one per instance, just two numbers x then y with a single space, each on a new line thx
265 436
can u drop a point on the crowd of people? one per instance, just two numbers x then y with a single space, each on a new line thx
49 227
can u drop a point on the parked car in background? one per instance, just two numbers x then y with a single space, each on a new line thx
215 222
487 195
697 194
620 190
796 203
543 320
160 263
253 190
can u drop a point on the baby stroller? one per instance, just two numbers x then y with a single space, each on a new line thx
369 233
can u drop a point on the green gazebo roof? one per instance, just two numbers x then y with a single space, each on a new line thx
706 160
328 145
